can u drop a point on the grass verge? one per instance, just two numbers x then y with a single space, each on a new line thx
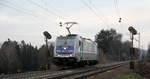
130 76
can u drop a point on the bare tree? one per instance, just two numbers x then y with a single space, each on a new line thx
9 57
111 44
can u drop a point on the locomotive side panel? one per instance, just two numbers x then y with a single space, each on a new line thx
89 50
78 49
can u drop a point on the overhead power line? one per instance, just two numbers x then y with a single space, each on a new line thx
56 10
90 8
16 6
24 9
93 10
116 5
45 9
16 9
97 10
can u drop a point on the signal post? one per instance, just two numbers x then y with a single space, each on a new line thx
48 36
132 52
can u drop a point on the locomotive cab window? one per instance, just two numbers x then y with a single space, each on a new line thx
64 42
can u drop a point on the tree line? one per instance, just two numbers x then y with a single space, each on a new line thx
111 46
21 57
148 52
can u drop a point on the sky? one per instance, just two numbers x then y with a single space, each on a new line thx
28 19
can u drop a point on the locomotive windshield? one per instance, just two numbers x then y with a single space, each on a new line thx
65 45
65 42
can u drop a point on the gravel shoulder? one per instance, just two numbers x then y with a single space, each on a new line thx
115 73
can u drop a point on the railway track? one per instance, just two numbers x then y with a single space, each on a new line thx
86 72
78 73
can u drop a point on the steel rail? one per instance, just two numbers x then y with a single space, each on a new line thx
79 73
71 73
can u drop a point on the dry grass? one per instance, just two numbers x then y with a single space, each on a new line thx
130 76
113 74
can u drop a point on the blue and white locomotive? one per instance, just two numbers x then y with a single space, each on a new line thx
74 50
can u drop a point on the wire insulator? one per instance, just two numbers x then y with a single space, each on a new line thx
120 20
60 24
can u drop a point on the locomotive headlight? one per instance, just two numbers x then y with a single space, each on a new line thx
58 55
71 55
65 48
